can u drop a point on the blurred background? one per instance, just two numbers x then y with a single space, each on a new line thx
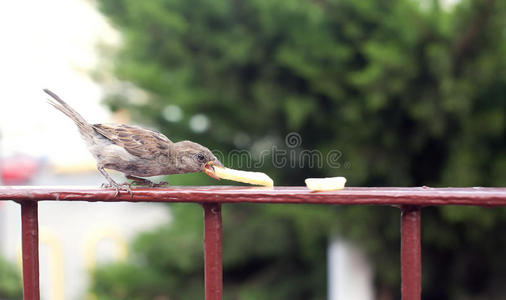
390 93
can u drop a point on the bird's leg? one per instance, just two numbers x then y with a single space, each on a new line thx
142 181
113 183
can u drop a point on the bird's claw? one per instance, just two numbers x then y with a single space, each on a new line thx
117 187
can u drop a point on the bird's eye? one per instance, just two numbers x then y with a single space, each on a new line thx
201 157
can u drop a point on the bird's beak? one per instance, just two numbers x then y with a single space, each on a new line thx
209 168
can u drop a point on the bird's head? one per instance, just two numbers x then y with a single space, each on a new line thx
193 157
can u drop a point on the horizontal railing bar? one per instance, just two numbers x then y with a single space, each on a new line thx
419 196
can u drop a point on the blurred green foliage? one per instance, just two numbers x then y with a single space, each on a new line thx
10 281
410 92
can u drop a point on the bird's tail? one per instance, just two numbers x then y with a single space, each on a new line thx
85 128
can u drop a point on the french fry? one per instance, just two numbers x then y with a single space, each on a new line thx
256 178
325 184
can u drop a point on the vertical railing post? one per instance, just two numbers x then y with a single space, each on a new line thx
411 257
30 249
212 251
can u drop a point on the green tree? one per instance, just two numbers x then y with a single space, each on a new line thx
409 93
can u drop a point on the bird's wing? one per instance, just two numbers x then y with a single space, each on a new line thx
138 141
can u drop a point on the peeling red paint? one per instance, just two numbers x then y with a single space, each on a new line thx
296 195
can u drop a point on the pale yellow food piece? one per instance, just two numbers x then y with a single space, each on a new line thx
257 178
325 184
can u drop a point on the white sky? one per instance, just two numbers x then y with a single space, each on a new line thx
49 44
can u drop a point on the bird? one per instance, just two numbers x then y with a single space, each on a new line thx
137 152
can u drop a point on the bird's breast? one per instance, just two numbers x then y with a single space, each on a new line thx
115 157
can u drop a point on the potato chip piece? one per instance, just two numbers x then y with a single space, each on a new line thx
256 178
325 184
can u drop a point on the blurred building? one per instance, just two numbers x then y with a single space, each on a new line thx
53 45
76 236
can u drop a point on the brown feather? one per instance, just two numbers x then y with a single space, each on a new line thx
84 128
138 141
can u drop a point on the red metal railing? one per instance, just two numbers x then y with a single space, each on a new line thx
409 200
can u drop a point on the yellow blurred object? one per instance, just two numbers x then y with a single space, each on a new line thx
91 247
256 178
55 250
83 167
55 258
325 184
96 237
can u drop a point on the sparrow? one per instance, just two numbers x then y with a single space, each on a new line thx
137 152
